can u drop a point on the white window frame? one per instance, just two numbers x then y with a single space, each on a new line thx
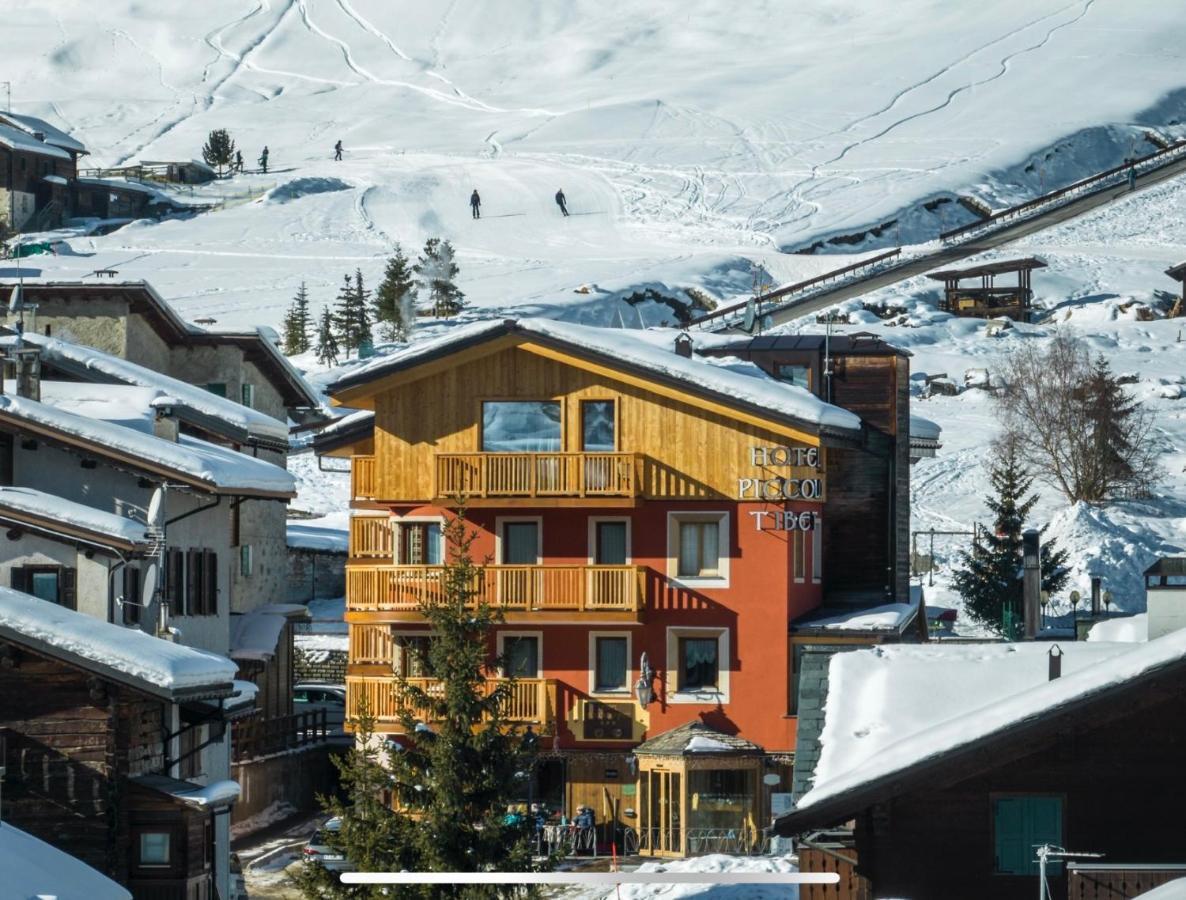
501 647
397 538
721 694
499 521
592 538
817 551
724 548
623 692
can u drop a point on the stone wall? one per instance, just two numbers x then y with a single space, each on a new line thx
315 574
328 666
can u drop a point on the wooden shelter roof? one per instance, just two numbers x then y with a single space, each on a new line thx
682 741
990 269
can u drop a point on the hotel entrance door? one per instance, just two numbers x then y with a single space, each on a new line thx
661 830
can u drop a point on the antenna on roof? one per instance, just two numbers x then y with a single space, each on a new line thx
828 359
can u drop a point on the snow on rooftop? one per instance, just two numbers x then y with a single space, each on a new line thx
889 617
18 140
329 534
38 503
652 350
349 420
254 636
712 863
702 744
53 134
79 359
244 694
31 868
220 793
1171 890
892 707
924 428
1122 629
118 408
130 651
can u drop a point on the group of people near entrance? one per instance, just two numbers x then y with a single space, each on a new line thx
538 814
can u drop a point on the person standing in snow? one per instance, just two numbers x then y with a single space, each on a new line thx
1132 177
239 161
263 160
562 201
338 151
475 204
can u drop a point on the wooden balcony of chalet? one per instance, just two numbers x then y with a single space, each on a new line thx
363 481
531 701
614 593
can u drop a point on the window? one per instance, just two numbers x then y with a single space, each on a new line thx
610 664
597 426
175 580
798 375
419 543
246 561
699 549
131 595
199 574
699 664
520 542
154 848
247 394
521 426
520 654
1020 824
189 756
611 542
412 655
53 583
217 387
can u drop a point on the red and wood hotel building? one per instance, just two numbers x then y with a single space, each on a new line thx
634 497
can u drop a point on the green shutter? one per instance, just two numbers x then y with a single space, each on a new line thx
1045 827
1011 850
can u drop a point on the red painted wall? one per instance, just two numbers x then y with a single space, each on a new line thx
756 607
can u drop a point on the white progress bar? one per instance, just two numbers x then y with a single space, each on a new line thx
590 878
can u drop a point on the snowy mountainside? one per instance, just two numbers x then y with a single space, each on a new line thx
687 140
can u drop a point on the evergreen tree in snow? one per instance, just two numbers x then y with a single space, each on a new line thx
297 323
990 576
352 314
1121 455
219 149
435 271
362 312
395 297
327 340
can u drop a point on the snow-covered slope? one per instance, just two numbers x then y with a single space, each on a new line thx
689 139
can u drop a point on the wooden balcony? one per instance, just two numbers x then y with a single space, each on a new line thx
371 537
536 475
532 701
534 591
363 483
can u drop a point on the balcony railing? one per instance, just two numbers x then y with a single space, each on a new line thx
531 700
363 484
255 737
536 475
371 537
526 588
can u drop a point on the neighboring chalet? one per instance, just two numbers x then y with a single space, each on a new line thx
99 728
1178 274
656 519
965 760
989 300
38 172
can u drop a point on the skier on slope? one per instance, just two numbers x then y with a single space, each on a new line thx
475 204
562 201
263 160
337 151
239 161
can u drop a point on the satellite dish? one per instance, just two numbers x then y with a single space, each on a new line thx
156 506
16 302
751 313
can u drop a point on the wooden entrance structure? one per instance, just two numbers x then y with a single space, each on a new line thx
699 791
1178 273
989 300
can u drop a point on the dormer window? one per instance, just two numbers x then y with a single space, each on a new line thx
798 375
521 426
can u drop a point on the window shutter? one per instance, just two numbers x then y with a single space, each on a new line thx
210 581
20 579
193 582
131 596
175 580
69 588
1012 850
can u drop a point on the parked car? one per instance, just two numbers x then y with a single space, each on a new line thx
318 851
308 696
238 884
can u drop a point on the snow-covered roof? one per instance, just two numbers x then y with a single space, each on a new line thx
732 379
924 429
22 142
31 868
244 694
37 507
219 793
888 617
190 460
94 365
694 737
254 636
55 179
148 663
53 135
309 535
1121 629
892 708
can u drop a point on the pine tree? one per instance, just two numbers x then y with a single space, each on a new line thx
219 149
327 340
362 314
435 271
297 323
990 576
1117 455
394 298
352 315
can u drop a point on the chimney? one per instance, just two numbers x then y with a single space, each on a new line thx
1095 597
165 424
1032 583
28 372
683 345
1054 666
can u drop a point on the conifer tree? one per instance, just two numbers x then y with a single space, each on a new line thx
297 323
352 315
1120 455
327 340
435 271
394 298
990 576
362 312
219 149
